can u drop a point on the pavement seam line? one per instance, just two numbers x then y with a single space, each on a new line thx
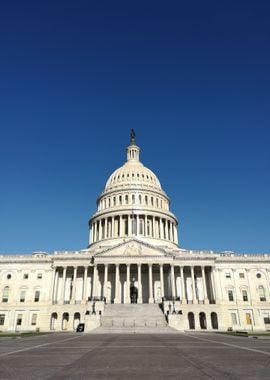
232 345
38 346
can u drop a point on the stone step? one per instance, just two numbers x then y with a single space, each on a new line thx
133 322
133 316
134 330
133 310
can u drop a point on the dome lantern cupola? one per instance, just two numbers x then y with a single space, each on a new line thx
133 151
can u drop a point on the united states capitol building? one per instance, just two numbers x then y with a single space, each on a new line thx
134 271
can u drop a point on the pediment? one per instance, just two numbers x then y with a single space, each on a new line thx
133 248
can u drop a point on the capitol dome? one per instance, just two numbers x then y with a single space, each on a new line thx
133 204
133 174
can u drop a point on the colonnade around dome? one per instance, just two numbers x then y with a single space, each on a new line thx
133 225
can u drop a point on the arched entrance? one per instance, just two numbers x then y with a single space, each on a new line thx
191 321
54 317
76 321
214 320
65 321
202 318
133 294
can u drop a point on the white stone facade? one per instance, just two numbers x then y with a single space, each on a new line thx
134 256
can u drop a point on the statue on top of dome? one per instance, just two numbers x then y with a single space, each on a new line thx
132 137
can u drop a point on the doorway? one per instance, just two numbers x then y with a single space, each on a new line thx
133 294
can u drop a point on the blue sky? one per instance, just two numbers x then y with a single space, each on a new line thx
192 78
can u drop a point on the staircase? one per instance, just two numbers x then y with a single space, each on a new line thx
133 318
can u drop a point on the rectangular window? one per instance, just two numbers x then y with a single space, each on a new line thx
34 320
39 276
2 319
241 275
22 296
234 318
230 295
262 294
19 319
245 296
227 275
5 294
37 296
25 276
266 320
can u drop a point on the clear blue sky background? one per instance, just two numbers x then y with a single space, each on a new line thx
191 77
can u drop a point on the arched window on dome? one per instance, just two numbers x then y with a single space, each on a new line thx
140 199
157 202
120 200
146 200
126 199
133 199
152 201
109 201
114 201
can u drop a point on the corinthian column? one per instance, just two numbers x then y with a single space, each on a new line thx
151 299
63 284
161 280
105 281
139 284
127 300
206 300
183 290
194 296
117 281
172 281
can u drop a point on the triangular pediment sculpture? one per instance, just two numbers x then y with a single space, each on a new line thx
133 248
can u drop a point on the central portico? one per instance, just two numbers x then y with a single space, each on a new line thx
132 271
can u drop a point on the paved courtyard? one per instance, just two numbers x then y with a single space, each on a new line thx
134 356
